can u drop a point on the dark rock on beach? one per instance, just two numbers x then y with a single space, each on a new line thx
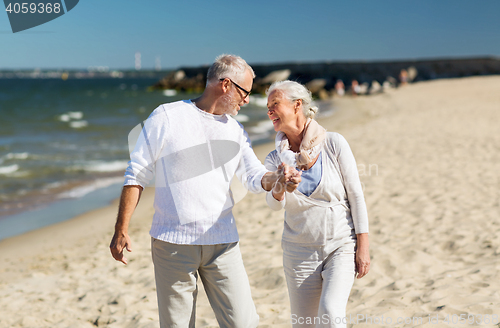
321 77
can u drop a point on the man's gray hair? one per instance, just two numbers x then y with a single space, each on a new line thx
293 91
228 66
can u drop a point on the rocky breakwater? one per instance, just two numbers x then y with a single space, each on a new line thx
324 78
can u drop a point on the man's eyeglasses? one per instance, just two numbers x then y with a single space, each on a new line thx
247 93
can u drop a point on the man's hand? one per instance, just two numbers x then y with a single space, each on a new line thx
289 179
119 242
128 201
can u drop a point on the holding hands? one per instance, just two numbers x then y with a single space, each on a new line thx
289 179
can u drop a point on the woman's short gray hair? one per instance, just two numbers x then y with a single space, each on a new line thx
228 66
294 91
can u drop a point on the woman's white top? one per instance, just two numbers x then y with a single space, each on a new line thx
336 210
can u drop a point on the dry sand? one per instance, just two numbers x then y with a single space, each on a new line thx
428 156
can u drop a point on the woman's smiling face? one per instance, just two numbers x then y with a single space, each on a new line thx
280 111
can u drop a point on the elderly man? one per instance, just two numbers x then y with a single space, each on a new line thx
194 148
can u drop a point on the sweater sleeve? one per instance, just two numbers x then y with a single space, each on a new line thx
140 170
250 170
270 164
352 185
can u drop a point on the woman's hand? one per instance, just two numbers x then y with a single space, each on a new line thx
289 179
293 179
362 255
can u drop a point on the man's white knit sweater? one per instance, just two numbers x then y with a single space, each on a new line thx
193 156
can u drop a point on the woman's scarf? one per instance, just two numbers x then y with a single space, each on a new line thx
310 146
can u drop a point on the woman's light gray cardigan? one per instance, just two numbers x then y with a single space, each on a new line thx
336 210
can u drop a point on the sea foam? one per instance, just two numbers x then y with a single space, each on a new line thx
66 117
78 124
16 156
258 101
102 166
86 189
9 169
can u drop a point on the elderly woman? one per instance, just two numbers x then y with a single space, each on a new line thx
325 238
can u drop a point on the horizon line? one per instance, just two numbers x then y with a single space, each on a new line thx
328 61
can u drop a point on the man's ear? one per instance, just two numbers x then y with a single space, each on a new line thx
225 85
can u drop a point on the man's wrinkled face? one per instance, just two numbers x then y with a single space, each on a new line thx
235 98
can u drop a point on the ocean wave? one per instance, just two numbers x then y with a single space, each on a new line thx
68 116
262 131
74 119
241 118
81 191
16 156
78 124
261 127
258 101
169 92
9 169
60 145
54 185
101 166
20 174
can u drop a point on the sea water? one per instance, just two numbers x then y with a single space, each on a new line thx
63 144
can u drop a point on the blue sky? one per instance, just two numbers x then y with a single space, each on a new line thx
110 32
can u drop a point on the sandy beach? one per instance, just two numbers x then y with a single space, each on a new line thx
429 158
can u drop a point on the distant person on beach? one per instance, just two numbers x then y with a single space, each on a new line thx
339 88
403 77
355 88
325 237
194 148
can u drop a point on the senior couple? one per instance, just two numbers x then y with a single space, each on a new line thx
193 148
